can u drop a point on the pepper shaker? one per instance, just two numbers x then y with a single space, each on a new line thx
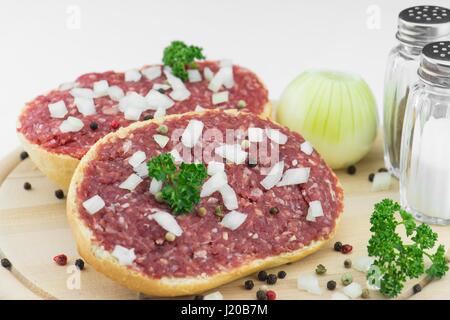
425 150
417 26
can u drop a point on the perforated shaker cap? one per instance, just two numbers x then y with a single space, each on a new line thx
420 25
435 63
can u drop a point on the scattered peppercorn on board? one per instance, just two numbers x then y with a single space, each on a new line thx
34 229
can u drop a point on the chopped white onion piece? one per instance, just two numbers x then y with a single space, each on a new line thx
132 100
192 133
167 222
213 184
161 140
156 100
276 136
180 94
71 124
101 88
131 182
232 152
381 181
199 108
307 148
315 210
214 167
94 204
223 77
57 109
132 75
353 290
85 106
159 113
133 114
339 296
151 73
255 134
163 86
141 170
363 263
233 220
115 93
155 186
176 156
124 255
213 296
229 197
208 74
175 83
82 92
137 158
127 146
309 283
294 176
67 86
228 78
194 75
220 97
274 175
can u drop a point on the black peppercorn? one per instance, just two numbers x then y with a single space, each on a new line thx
282 274
271 278
6 263
417 288
261 295
23 155
249 284
382 170
371 176
27 186
331 285
148 117
338 246
79 263
161 90
59 194
351 170
273 210
93 125
262 276
198 297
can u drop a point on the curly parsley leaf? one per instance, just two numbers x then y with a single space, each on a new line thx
399 261
181 189
179 55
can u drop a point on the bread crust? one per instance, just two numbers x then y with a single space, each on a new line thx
166 286
58 167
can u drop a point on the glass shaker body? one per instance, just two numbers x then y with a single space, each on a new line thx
425 149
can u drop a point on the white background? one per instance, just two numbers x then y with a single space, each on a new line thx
44 43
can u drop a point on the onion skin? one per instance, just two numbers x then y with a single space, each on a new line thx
335 111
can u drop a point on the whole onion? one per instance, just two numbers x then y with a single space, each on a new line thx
335 111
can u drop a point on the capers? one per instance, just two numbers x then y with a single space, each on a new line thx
320 269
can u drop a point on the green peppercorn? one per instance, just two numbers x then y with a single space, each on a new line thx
201 211
347 278
159 197
218 211
273 210
348 263
249 284
365 293
163 129
261 295
320 269
241 104
331 285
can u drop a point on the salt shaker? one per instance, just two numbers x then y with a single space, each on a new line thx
425 148
417 26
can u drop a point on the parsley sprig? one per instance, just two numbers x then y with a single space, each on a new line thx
179 55
181 188
396 260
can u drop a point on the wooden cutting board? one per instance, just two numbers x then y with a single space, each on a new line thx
33 229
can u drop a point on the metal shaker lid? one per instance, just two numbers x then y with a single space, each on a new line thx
435 63
420 25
